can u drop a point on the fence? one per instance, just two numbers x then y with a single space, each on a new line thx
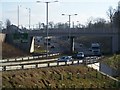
43 63
27 58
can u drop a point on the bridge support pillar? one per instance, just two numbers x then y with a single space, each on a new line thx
115 44
72 46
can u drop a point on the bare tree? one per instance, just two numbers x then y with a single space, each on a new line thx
90 22
39 25
110 13
51 24
8 23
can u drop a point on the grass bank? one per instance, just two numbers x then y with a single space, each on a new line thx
77 76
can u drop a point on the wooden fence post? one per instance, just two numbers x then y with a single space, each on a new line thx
63 86
48 64
65 63
22 66
15 59
57 63
78 75
84 75
61 77
104 85
4 68
78 62
70 76
91 85
36 65
82 85
72 62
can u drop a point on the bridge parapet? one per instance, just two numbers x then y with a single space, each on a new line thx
77 31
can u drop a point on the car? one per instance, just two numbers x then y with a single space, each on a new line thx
52 46
65 59
80 55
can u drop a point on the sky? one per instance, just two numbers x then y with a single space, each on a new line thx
85 9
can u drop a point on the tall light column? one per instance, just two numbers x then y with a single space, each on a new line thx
29 17
69 15
46 22
18 15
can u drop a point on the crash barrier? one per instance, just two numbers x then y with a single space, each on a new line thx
27 58
42 63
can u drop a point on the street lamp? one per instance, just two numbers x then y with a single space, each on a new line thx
69 21
46 20
18 11
29 16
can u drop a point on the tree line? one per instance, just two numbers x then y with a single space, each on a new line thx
113 15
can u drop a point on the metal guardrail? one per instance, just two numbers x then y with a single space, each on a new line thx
38 64
26 58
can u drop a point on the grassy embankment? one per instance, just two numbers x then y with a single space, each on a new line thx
9 51
113 61
77 76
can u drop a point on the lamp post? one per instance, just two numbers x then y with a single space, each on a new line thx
46 21
29 16
18 11
69 15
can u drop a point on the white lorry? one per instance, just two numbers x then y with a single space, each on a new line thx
95 48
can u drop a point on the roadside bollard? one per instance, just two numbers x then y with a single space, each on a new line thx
82 85
78 75
48 64
22 66
70 76
36 65
72 62
4 68
61 77
63 85
84 76
78 62
104 85
15 59
57 63
65 63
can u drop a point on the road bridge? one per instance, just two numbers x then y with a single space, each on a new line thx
113 33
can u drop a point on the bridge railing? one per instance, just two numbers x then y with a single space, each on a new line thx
27 58
50 63
78 30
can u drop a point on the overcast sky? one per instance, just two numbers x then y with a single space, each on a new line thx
84 8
